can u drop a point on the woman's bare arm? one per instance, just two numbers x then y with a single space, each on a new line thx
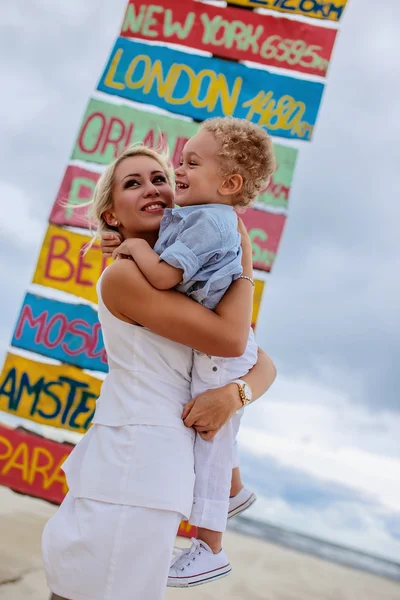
130 297
261 376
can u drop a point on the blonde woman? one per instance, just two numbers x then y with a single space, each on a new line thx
131 477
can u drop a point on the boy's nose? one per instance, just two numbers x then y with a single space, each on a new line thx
179 171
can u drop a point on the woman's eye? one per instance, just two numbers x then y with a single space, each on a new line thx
160 179
130 183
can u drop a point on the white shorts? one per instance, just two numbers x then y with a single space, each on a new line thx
98 551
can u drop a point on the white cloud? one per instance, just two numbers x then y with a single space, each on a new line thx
317 430
20 224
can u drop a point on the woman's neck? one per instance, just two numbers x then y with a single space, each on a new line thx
150 236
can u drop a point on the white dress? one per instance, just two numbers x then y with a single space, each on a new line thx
131 476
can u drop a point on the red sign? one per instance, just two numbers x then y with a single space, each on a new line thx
265 231
31 464
232 33
187 530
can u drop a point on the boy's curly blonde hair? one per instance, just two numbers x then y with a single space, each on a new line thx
245 149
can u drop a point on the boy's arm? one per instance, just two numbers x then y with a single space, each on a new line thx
160 274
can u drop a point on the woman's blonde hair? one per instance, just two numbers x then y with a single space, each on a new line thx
102 199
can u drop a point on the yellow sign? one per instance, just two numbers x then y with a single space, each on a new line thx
63 266
258 292
317 9
56 395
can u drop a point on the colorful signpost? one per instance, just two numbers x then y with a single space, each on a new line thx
58 382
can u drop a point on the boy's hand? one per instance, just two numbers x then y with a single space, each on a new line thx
128 248
109 242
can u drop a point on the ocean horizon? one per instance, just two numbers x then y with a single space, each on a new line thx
313 546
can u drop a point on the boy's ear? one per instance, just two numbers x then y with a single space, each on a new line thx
231 185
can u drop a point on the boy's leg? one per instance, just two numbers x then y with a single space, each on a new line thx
236 482
240 498
213 539
206 561
213 466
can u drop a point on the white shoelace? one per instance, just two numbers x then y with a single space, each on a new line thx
183 557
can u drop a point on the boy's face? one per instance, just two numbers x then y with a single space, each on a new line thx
197 178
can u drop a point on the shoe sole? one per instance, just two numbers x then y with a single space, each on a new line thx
200 579
242 507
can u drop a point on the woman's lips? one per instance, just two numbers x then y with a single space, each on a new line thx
154 207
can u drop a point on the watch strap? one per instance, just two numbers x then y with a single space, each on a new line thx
241 387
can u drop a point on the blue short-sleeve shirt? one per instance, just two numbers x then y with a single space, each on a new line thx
204 242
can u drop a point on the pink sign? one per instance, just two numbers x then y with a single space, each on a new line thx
76 189
265 231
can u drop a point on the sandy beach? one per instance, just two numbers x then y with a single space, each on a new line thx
261 571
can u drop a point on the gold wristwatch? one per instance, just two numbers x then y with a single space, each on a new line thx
245 392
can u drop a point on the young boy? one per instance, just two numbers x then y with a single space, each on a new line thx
224 166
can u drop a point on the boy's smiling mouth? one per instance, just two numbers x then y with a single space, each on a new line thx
181 185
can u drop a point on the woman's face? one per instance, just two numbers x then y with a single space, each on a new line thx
141 193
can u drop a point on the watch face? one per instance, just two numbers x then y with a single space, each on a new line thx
247 391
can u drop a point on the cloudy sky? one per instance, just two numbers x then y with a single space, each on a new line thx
322 447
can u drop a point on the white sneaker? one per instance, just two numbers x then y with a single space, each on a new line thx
197 565
241 502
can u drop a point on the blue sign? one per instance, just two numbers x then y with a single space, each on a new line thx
201 87
67 332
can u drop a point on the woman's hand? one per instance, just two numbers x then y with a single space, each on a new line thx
242 229
247 250
110 242
209 411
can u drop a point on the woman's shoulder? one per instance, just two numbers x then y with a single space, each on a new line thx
118 272
123 273
118 282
